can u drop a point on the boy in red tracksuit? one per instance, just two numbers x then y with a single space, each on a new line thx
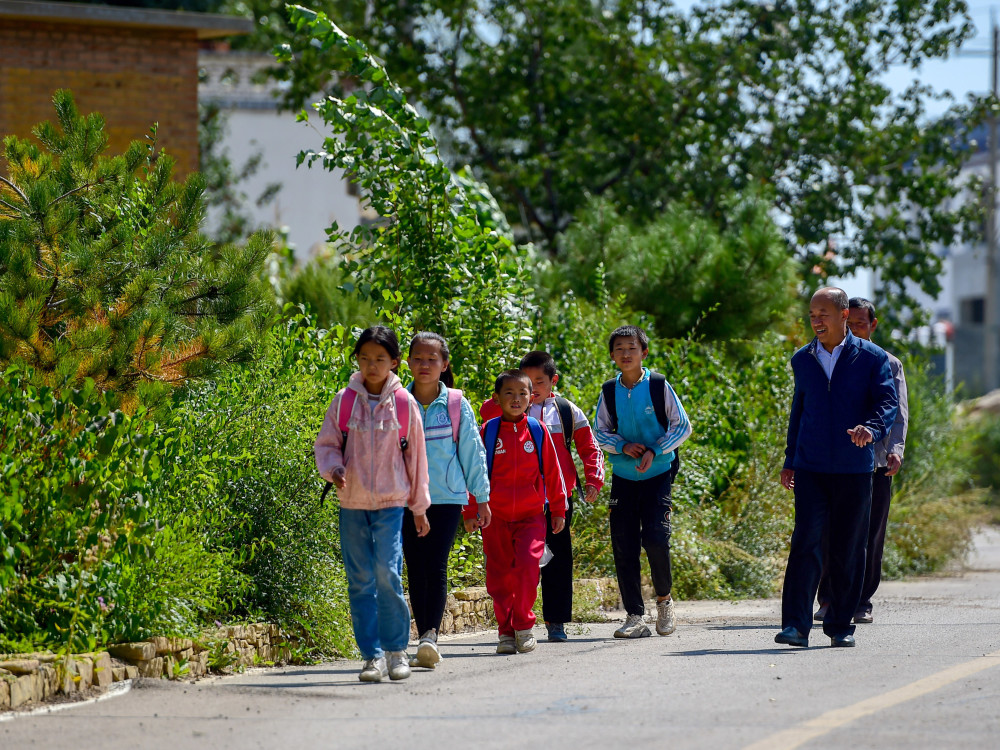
568 425
514 538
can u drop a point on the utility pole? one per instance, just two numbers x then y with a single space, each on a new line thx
991 302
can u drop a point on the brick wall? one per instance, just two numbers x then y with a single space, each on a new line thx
133 77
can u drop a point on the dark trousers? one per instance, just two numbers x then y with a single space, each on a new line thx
640 517
881 495
427 563
557 575
837 507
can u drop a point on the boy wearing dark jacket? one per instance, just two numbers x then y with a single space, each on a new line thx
514 539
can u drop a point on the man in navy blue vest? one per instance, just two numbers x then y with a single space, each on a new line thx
844 402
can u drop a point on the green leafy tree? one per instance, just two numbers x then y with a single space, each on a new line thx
682 270
439 258
103 273
555 101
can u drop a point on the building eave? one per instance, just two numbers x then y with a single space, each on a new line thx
205 25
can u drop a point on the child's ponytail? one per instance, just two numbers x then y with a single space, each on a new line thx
426 337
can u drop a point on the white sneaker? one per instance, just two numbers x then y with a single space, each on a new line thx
399 665
427 651
524 641
665 622
634 627
374 670
506 645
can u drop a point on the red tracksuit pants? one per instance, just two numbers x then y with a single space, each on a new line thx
513 550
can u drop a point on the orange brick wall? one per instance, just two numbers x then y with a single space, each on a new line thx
133 77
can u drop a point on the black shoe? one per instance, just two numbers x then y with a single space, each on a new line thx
863 617
842 641
792 637
821 612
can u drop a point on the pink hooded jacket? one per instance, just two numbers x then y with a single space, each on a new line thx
378 474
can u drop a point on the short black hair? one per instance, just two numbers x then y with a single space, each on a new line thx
835 294
540 359
511 375
860 303
624 332
381 335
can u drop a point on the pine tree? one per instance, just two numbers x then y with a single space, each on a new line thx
103 272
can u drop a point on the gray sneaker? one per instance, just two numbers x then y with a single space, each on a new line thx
507 645
374 670
525 641
665 622
427 651
399 665
634 627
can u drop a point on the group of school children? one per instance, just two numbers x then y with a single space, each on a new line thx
410 463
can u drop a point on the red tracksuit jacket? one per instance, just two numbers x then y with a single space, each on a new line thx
516 487
547 413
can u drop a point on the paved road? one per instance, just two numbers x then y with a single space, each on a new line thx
925 674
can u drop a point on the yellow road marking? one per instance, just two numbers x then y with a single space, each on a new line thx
801 733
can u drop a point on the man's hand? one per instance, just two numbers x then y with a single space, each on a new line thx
339 478
635 450
788 479
647 461
591 494
558 524
471 524
485 515
894 464
861 436
422 524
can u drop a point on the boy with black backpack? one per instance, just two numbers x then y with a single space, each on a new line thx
640 424
567 424
524 472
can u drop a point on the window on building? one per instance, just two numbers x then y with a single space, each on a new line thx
973 310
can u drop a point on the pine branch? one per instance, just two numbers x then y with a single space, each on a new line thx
14 187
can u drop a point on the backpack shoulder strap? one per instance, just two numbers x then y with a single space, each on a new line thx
455 412
345 410
402 397
658 395
538 438
492 430
608 390
566 420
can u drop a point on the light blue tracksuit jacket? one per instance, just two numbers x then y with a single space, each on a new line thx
454 470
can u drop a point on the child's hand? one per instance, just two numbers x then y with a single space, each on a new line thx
591 494
558 524
471 524
339 478
647 461
485 515
422 524
635 450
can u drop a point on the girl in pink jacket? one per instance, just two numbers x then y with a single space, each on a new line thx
371 447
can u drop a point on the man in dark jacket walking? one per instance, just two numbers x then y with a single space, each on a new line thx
844 402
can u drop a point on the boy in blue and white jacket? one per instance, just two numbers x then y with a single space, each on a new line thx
456 462
640 430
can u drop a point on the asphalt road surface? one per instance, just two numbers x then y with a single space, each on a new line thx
926 674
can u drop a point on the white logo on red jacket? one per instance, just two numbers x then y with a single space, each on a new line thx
529 447
499 451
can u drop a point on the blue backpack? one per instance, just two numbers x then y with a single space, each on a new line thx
490 441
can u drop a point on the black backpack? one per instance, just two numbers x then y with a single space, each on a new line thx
657 394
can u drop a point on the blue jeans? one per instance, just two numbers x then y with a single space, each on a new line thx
371 543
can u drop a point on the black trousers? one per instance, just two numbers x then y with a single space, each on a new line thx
640 518
881 496
837 507
557 576
427 563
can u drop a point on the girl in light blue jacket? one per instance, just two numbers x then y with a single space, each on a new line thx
456 462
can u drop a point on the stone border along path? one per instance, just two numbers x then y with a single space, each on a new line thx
28 680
